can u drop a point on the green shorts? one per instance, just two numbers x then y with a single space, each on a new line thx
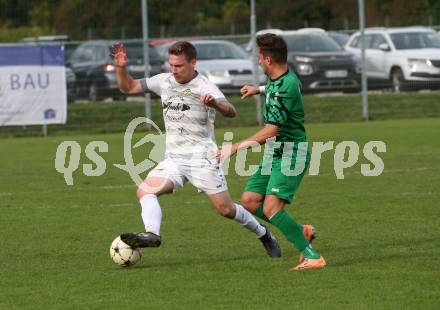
273 180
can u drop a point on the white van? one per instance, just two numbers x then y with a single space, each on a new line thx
405 58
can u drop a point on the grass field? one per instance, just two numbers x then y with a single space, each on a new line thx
380 235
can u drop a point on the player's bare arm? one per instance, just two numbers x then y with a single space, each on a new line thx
260 137
248 90
126 83
224 107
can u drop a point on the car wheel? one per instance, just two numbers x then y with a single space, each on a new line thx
93 92
398 81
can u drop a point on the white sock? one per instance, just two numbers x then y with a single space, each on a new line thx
151 213
245 218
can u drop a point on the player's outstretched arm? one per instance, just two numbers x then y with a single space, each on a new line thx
224 107
126 83
248 90
260 137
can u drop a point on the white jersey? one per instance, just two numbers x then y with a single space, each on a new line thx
189 124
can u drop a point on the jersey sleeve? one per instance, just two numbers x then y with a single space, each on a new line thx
212 89
152 84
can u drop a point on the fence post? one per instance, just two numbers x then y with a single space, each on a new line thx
364 66
255 62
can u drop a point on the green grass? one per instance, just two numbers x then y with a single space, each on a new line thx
110 117
379 234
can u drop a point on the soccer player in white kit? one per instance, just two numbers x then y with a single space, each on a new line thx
189 102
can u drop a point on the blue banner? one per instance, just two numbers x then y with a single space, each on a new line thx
32 85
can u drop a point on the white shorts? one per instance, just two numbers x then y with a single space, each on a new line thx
204 174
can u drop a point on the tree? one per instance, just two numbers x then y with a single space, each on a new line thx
236 12
82 19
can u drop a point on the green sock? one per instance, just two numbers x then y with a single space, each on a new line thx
294 233
260 214
310 252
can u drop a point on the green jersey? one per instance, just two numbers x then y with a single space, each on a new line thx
284 108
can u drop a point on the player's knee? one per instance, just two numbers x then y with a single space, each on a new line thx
250 202
270 210
142 191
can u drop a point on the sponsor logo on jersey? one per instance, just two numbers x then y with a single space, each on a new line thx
174 107
186 92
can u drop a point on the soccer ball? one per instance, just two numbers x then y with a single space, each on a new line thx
123 254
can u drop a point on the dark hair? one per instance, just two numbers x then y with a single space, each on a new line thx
273 46
183 48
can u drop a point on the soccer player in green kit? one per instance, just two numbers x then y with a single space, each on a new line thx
286 156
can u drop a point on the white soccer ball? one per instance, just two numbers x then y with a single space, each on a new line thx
123 254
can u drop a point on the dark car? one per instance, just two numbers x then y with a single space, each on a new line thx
320 63
72 95
70 85
340 37
69 48
95 71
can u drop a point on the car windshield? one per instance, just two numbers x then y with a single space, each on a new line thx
206 51
415 40
162 50
311 43
340 38
68 50
136 51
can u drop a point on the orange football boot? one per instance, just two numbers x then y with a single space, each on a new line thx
310 263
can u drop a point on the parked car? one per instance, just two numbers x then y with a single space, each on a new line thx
340 37
69 48
403 58
320 63
70 85
95 71
248 46
222 62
